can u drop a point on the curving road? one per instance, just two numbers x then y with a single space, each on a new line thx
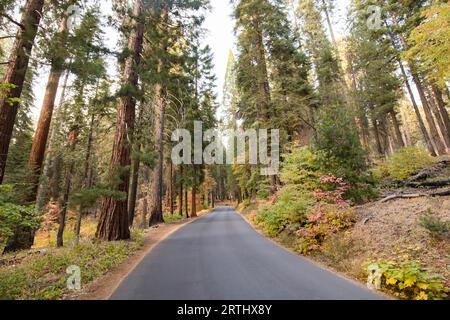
220 257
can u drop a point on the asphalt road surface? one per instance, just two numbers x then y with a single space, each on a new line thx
220 257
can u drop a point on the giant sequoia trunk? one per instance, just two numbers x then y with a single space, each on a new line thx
156 212
15 75
113 221
43 127
264 101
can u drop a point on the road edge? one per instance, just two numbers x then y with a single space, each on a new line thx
310 260
104 287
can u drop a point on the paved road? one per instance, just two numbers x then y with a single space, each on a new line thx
220 257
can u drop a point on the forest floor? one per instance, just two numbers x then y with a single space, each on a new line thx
384 231
40 273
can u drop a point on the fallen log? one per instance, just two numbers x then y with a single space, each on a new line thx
428 184
441 193
426 173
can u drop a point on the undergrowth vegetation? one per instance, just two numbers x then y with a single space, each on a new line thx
311 207
13 216
42 275
314 214
403 164
408 280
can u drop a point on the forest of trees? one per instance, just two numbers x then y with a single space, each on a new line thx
102 142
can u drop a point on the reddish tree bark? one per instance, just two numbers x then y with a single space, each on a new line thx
15 75
194 194
37 153
398 134
113 221
156 211
180 208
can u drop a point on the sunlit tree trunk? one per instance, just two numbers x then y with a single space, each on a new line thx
113 221
43 127
156 211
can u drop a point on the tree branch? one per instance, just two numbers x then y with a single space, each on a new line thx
10 19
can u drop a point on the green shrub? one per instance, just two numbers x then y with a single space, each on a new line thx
404 164
435 226
14 217
338 148
291 208
408 280
300 167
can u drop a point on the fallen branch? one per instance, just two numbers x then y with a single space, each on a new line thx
441 193
434 184
426 173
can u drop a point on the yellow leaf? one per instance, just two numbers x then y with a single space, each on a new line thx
391 281
409 283
422 286
422 296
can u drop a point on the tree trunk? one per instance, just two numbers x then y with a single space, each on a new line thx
398 134
15 75
180 208
435 137
186 203
54 159
423 129
330 25
72 141
194 193
135 165
87 181
113 221
442 107
439 118
171 204
156 211
37 154
376 132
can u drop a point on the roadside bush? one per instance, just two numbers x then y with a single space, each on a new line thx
408 280
291 208
330 215
404 163
436 227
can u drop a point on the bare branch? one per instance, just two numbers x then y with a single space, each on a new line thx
10 19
